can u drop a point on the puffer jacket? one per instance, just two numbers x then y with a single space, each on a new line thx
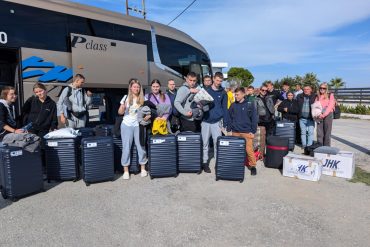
265 108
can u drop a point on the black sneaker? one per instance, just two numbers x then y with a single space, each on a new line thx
206 168
253 171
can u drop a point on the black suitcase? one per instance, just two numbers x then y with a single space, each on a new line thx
134 162
162 156
276 149
61 159
97 155
230 161
190 150
117 142
286 129
20 172
103 130
85 132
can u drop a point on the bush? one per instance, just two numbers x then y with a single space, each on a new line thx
358 109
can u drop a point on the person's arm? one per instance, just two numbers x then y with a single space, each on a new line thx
88 98
330 107
281 107
60 105
4 125
181 96
226 115
167 102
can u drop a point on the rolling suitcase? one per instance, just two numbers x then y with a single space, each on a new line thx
117 142
190 149
61 159
85 132
162 156
286 129
276 149
20 172
97 155
134 162
230 158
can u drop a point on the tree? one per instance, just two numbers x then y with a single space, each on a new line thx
241 76
311 79
336 83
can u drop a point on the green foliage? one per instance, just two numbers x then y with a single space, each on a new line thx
336 83
241 76
358 109
311 80
361 176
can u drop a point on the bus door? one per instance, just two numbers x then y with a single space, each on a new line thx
9 71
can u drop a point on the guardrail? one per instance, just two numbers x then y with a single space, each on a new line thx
353 95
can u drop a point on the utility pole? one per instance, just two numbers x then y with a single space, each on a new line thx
141 11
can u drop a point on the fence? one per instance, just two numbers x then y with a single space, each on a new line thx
353 95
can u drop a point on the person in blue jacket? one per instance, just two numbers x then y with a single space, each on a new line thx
243 120
215 119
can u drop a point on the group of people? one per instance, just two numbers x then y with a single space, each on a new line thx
237 111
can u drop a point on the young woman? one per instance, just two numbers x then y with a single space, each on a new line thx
41 111
157 97
289 108
7 112
130 130
324 125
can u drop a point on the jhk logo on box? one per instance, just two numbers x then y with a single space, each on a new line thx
339 165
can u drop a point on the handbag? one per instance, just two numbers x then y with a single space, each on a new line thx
336 112
117 126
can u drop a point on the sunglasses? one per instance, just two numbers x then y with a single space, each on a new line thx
322 88
263 90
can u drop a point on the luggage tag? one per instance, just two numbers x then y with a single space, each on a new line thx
224 143
92 145
181 138
53 144
16 153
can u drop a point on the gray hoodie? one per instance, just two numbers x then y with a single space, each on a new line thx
183 101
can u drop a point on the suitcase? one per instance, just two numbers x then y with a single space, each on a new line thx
134 163
85 132
103 130
309 150
61 159
162 156
259 141
230 162
117 142
190 149
286 129
20 172
276 148
97 156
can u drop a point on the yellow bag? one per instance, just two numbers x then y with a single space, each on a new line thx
159 127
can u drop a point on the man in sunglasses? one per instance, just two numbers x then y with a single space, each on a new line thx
266 110
306 122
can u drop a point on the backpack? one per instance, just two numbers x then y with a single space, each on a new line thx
69 104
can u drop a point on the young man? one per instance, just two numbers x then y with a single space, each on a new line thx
214 119
275 94
73 103
243 123
183 102
266 110
173 118
298 90
285 90
250 94
306 122
207 81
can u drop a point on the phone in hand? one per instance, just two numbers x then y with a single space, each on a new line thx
123 100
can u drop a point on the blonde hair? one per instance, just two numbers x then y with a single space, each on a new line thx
326 94
140 99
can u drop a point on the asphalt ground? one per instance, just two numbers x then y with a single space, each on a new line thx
195 210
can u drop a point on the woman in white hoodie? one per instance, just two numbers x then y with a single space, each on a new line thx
7 112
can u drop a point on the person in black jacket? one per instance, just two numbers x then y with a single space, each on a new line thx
8 122
289 108
40 111
243 119
306 122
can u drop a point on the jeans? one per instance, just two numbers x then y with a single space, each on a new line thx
209 130
307 129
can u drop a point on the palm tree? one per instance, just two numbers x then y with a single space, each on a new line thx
336 83
311 80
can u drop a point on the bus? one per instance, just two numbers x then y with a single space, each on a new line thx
50 41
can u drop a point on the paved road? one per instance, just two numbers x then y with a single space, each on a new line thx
266 210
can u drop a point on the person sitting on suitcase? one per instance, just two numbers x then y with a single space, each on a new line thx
73 103
214 119
243 121
8 122
183 102
130 129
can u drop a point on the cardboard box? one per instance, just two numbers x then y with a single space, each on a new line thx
302 167
339 165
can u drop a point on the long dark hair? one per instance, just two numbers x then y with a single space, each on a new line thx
161 94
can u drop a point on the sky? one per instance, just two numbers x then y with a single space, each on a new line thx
273 38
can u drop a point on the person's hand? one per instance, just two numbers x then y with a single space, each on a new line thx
89 93
189 114
251 135
19 131
194 90
147 117
286 109
62 119
321 116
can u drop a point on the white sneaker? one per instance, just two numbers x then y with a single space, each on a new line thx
144 173
126 176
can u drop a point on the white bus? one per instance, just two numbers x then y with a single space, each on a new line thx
49 41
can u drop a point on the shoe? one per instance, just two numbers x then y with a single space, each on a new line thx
206 168
143 173
253 171
126 176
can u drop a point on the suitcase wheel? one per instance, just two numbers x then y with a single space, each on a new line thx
176 176
241 181
14 199
200 172
151 177
87 184
3 195
75 180
216 178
